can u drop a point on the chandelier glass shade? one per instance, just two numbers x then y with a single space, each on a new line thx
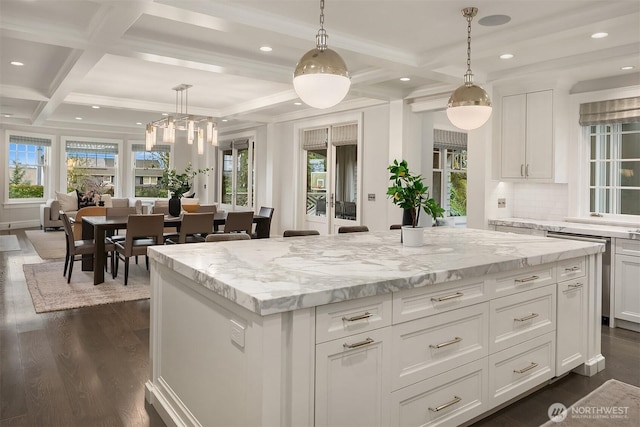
193 126
321 78
469 106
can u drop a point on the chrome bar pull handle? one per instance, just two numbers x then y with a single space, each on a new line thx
526 170
358 344
455 400
444 344
528 368
576 285
521 169
527 279
574 268
448 297
529 317
366 315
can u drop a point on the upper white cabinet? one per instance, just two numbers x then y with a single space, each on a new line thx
527 136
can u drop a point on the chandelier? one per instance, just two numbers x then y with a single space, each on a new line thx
469 106
321 78
194 126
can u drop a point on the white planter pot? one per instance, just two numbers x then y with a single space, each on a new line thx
412 236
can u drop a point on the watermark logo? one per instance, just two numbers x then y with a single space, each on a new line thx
557 412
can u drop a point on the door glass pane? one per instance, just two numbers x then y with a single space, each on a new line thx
227 177
458 194
317 182
242 196
346 181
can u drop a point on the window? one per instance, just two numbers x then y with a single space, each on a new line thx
450 172
91 161
27 166
614 165
236 173
147 169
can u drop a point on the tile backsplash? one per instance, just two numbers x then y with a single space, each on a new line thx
540 201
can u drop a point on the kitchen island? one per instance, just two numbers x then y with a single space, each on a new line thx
355 329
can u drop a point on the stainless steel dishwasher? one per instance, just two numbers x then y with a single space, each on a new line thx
606 265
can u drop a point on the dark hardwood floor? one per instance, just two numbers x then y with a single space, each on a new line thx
87 367
82 367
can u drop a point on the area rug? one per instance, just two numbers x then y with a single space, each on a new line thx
9 243
50 291
614 403
49 245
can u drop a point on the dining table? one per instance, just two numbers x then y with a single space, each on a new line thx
96 227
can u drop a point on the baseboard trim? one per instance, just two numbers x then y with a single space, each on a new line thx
19 224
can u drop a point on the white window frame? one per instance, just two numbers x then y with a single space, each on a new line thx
251 197
117 169
132 181
48 187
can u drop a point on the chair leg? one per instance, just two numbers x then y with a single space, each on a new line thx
136 259
126 271
66 265
71 262
146 258
113 264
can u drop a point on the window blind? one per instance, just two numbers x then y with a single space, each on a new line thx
449 139
315 139
29 140
93 147
238 144
626 110
155 148
344 134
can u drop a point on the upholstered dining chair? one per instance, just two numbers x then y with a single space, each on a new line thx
74 247
119 212
86 211
266 227
296 233
226 237
238 222
142 231
353 229
194 227
207 208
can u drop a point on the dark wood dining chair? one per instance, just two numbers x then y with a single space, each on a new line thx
194 227
142 231
226 237
263 228
296 233
74 247
353 229
239 222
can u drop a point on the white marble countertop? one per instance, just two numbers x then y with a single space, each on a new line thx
275 275
630 231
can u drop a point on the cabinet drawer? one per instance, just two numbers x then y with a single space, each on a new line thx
571 269
415 303
519 317
425 347
524 279
448 399
352 317
519 368
628 247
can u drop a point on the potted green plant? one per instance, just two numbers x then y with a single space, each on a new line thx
178 184
409 192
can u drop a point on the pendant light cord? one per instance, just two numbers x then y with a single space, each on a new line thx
321 37
469 13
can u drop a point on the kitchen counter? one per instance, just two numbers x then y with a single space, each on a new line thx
631 231
356 329
283 274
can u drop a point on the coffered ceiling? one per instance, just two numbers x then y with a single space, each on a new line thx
126 56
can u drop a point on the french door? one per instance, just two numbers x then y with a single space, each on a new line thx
332 184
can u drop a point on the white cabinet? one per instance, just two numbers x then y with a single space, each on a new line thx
627 286
352 378
571 331
527 137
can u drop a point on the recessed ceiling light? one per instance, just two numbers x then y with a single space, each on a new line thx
297 103
95 107
7 114
494 20
17 63
599 35
627 67
138 123
404 79
78 118
225 120
165 114
506 56
266 48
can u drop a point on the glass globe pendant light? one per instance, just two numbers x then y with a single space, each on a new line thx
469 106
321 78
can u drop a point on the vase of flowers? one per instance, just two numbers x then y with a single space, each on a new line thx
409 192
178 184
